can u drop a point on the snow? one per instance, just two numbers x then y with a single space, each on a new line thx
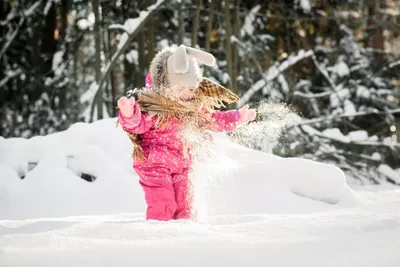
225 78
162 43
84 24
337 97
131 25
389 172
363 91
253 209
273 72
349 108
132 56
57 60
310 130
305 5
47 7
28 12
9 75
341 69
380 83
359 135
87 100
336 134
248 27
284 84
376 156
89 94
122 40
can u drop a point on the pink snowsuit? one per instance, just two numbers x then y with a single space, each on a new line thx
164 173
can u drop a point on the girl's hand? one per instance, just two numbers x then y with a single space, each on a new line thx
246 114
126 106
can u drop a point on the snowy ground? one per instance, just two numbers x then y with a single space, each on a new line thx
254 209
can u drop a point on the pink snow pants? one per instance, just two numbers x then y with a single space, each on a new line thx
167 194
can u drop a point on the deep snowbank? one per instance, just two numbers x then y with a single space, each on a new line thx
254 209
235 180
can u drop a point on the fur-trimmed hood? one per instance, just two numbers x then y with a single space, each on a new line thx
175 65
158 69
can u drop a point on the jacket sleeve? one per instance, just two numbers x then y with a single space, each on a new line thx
225 121
138 123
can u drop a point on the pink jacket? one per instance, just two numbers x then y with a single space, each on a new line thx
162 145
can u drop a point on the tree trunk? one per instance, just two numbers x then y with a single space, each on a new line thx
377 38
122 49
48 44
236 31
106 51
129 11
113 76
151 38
97 38
141 51
196 23
228 46
181 30
64 18
209 32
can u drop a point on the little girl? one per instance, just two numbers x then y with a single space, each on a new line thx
169 119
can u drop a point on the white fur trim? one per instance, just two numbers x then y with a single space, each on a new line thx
202 56
164 73
179 62
190 79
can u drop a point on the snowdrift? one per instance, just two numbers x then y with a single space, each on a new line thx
234 180
253 208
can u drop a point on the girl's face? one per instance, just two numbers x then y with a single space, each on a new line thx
183 93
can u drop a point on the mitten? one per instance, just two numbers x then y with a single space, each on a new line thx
246 114
126 106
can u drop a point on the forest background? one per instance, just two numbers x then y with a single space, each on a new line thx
335 63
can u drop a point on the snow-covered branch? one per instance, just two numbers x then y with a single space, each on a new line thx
235 40
118 27
248 25
355 114
132 27
29 11
10 75
390 66
10 38
360 143
311 95
273 72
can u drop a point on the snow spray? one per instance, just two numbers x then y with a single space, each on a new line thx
213 173
271 122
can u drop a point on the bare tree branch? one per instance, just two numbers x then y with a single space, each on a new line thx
326 75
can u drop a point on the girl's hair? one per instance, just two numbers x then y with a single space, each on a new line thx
198 112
